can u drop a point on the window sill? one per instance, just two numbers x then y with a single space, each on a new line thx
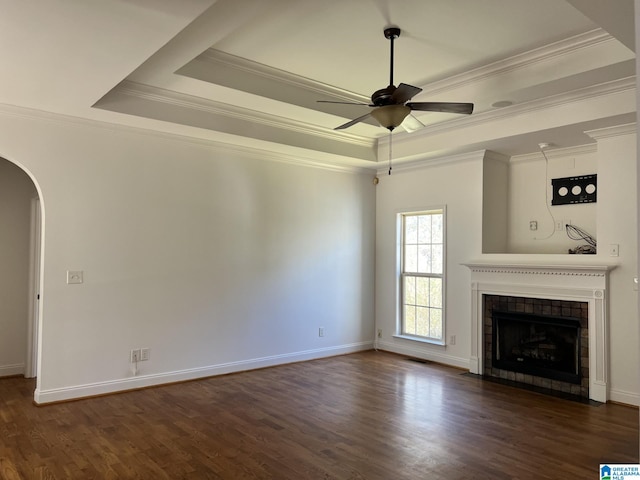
420 339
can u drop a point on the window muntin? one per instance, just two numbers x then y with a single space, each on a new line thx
422 275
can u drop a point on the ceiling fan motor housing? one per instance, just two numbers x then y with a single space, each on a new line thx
383 96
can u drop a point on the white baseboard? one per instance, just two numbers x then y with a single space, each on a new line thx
113 386
460 362
622 396
10 370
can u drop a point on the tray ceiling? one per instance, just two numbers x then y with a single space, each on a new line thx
250 72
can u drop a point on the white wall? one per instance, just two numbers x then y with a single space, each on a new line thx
495 203
16 192
617 213
215 260
530 193
458 185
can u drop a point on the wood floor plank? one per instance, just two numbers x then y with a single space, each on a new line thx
371 415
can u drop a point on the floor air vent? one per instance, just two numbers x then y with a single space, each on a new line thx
418 360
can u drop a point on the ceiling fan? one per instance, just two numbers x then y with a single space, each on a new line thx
391 104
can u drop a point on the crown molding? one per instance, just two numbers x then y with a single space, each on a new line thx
495 156
556 153
422 163
562 48
593 91
182 100
615 131
7 110
218 58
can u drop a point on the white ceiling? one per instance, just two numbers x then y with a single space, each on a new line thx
250 72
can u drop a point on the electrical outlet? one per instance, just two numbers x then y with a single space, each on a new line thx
135 355
452 340
321 332
145 353
75 276
379 333
614 249
533 225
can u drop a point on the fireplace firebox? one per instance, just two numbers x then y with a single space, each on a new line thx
544 346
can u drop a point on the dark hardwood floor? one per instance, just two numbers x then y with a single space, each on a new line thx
370 415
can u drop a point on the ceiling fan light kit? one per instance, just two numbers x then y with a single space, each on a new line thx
390 116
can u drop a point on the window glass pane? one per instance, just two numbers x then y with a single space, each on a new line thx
437 230
410 229
422 321
435 292
422 291
424 259
410 319
435 323
423 262
409 290
436 259
424 228
411 258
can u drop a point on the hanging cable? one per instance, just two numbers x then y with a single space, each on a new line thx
542 146
576 233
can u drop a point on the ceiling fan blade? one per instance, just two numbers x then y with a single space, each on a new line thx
404 93
411 124
446 107
343 103
353 122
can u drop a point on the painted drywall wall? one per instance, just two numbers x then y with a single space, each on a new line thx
617 213
495 203
457 184
530 196
16 192
216 260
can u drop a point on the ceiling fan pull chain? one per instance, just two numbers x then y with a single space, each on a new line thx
390 152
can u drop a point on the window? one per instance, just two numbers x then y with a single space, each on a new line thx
422 275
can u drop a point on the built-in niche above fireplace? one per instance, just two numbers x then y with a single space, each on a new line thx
576 291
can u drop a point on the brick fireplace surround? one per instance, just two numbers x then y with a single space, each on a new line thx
537 284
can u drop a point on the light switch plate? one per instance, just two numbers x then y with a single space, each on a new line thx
75 276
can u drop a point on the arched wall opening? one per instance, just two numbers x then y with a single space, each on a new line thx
20 273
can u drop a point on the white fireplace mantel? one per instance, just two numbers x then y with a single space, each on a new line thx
579 282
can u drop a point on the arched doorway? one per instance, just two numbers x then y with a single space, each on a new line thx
19 270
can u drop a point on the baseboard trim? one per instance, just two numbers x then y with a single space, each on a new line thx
443 358
624 397
11 370
54 395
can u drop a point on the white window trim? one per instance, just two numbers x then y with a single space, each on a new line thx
398 278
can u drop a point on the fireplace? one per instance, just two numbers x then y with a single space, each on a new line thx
572 297
547 347
543 342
